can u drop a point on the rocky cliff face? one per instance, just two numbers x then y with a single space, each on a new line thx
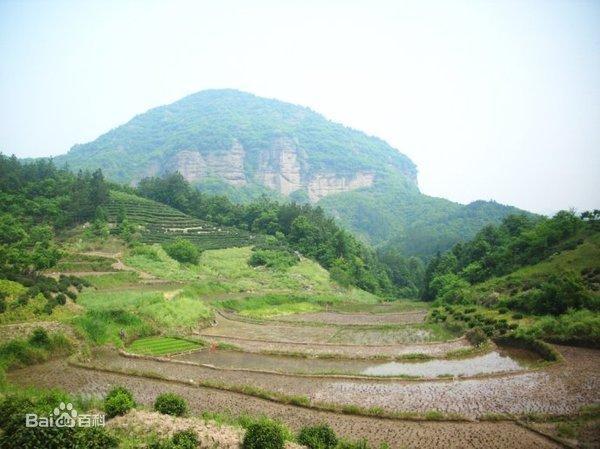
281 167
193 166
324 184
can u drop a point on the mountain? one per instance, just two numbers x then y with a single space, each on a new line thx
226 141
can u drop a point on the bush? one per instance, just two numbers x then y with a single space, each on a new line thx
517 316
61 299
71 295
476 336
120 390
94 438
12 404
118 403
170 404
39 337
273 258
318 437
186 439
264 435
15 435
555 296
182 251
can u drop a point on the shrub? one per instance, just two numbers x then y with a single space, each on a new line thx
186 439
273 258
170 404
71 295
318 437
517 316
476 336
39 337
10 405
15 435
94 438
117 404
555 296
264 435
18 436
61 299
182 251
120 390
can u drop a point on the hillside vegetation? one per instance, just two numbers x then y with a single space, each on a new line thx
545 272
243 146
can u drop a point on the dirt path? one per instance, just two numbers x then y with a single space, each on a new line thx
398 434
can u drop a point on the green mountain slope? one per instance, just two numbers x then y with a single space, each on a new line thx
231 142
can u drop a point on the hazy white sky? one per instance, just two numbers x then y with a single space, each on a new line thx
492 100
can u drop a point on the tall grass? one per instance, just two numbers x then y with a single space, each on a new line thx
138 313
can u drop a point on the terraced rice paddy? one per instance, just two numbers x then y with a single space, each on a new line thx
397 433
350 319
557 390
492 362
361 372
161 346
323 334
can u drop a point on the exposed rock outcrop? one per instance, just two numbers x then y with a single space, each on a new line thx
279 167
323 184
193 166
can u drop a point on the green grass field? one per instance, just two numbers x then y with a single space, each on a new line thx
161 346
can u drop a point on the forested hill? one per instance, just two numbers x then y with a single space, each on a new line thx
39 201
235 143
525 269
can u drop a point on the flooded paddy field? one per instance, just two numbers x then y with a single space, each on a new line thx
398 434
557 390
492 362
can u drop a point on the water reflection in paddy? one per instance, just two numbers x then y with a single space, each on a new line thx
492 362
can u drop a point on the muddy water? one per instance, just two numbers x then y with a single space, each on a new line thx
493 362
